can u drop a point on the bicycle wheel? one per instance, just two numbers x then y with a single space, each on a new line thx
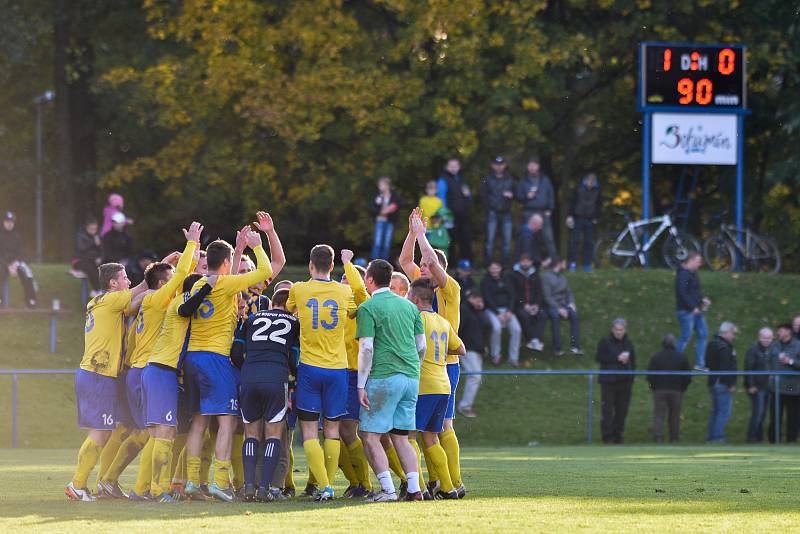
765 256
615 250
718 253
677 248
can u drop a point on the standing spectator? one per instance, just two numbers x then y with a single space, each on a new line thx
429 203
757 359
533 241
584 211
535 192
12 262
785 356
139 265
437 234
668 390
457 197
691 304
721 356
464 276
499 299
471 333
117 243
796 327
114 206
615 353
384 208
497 192
89 253
529 307
561 305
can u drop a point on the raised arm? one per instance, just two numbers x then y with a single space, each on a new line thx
238 249
266 225
438 274
406 258
188 308
164 294
354 278
263 269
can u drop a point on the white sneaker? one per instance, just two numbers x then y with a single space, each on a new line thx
535 344
78 494
382 496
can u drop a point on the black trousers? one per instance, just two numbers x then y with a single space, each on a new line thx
615 399
532 325
89 268
667 405
789 415
462 235
25 276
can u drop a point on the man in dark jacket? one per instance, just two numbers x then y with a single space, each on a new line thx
117 243
757 359
529 307
464 276
497 192
12 262
454 191
668 390
498 295
470 330
615 353
560 304
535 193
584 211
533 241
784 355
89 252
721 356
691 304
384 208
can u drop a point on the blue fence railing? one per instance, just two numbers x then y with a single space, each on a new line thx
588 373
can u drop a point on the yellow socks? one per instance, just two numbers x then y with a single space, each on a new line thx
395 465
145 469
237 463
179 459
160 469
449 443
359 460
192 468
87 458
289 481
438 460
346 465
332 448
110 449
432 474
209 445
222 473
126 454
316 462
414 444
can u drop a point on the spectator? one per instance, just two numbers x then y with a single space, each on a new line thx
529 309
533 241
721 356
560 304
464 276
384 209
691 304
757 359
437 234
784 355
615 353
89 253
497 191
535 192
499 300
12 261
471 333
457 197
114 206
429 203
668 390
117 244
584 211
796 327
137 267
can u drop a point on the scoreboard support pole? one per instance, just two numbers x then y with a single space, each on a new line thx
739 185
646 157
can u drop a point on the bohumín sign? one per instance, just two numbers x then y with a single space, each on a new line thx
694 138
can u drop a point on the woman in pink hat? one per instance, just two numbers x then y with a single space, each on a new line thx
114 206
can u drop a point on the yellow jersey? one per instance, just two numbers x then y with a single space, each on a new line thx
172 335
103 332
214 322
323 307
359 295
447 303
154 306
430 205
440 338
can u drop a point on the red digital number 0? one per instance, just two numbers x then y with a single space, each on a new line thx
686 88
726 59
704 91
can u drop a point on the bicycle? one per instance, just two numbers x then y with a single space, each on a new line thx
758 252
638 238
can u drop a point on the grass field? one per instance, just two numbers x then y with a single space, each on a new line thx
535 489
551 411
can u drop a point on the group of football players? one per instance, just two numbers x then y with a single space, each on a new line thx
199 367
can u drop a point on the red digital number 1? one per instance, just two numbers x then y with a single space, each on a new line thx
667 59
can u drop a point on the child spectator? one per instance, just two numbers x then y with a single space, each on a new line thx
437 234
114 206
430 203
384 208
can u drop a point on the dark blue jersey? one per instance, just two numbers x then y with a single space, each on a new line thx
268 339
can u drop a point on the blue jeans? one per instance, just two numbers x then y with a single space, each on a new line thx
382 240
574 328
493 219
688 322
758 402
584 228
721 408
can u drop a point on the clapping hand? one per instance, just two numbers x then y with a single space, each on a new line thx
194 231
241 237
264 222
347 255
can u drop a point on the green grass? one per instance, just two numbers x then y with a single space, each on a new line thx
513 410
535 489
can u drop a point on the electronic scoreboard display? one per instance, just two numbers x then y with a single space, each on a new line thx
692 76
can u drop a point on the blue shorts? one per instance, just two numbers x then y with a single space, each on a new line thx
96 396
185 410
160 386
135 396
291 417
267 401
430 412
216 380
322 391
393 404
353 406
453 373
122 410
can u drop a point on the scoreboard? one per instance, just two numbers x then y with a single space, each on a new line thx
692 77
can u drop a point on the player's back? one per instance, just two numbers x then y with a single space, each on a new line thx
270 337
322 307
147 326
171 339
215 320
439 337
104 331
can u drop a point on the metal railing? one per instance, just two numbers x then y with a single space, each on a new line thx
588 373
